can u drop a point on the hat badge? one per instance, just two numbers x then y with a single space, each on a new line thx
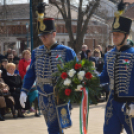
117 24
42 26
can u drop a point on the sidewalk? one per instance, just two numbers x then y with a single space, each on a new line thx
35 125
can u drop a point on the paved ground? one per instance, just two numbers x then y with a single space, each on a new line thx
34 125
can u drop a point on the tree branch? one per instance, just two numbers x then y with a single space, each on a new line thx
69 10
69 21
60 9
87 8
88 17
67 18
80 19
63 7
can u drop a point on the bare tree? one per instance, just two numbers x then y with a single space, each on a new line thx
84 15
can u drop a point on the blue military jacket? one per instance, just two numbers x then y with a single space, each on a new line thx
118 71
43 65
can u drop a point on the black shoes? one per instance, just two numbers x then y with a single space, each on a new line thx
37 115
1 118
15 116
21 116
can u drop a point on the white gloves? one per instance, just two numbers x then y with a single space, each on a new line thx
130 111
23 98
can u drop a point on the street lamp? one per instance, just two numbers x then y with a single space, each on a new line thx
27 28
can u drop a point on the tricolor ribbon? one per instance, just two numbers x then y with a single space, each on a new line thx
59 58
126 62
84 109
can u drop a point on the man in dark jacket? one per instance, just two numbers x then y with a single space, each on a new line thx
84 52
90 58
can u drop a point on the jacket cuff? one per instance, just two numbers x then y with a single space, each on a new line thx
25 90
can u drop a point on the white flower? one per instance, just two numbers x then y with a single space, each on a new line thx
80 75
80 78
71 72
79 88
67 82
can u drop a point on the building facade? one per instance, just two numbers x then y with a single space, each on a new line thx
15 29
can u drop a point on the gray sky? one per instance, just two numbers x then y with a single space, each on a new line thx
16 1
74 2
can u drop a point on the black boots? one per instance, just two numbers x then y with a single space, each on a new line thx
13 112
1 117
37 115
20 114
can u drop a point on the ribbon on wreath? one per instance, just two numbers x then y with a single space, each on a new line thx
84 110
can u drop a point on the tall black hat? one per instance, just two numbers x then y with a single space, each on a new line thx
45 25
121 24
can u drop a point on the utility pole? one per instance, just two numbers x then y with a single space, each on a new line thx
5 17
31 25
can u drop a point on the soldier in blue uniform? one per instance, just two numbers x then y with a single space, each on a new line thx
43 65
118 71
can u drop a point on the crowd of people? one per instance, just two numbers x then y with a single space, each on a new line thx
96 56
12 75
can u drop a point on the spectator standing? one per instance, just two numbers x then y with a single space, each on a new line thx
84 52
20 56
2 57
10 58
3 67
90 57
79 55
8 52
99 60
16 62
15 55
109 47
100 49
29 49
23 63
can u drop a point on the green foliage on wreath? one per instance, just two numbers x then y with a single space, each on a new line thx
75 95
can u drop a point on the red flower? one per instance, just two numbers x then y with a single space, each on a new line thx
82 88
67 92
88 75
64 75
77 66
80 94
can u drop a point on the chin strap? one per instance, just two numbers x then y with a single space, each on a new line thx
123 40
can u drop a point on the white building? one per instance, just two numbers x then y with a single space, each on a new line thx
15 17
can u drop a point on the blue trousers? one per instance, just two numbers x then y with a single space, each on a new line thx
47 105
115 119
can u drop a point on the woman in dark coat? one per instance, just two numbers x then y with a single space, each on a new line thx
99 62
14 82
6 100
